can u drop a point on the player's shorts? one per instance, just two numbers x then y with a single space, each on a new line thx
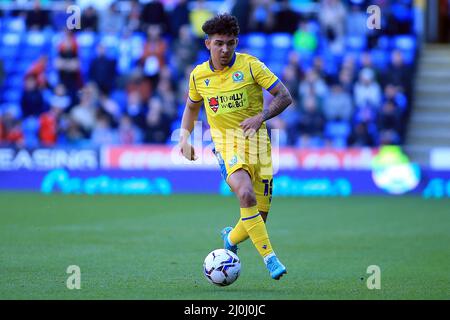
259 167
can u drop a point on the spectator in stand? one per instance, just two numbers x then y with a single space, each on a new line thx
393 94
49 126
128 132
367 91
399 74
32 101
305 42
178 17
389 123
197 17
356 22
311 123
291 79
345 78
59 98
89 19
84 114
166 94
112 21
136 108
332 15
286 19
366 62
261 18
157 126
103 133
313 86
338 104
241 10
360 136
38 71
71 132
153 13
11 130
153 57
184 50
67 64
109 109
133 19
37 18
103 71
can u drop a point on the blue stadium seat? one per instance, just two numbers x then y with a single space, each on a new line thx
11 39
380 58
404 42
355 43
384 43
35 39
408 56
13 95
256 40
86 39
281 41
30 128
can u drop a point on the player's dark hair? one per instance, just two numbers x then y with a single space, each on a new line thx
221 24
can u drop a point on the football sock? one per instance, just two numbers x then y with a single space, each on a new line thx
256 229
238 234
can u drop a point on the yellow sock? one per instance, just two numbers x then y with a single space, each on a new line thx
238 234
256 229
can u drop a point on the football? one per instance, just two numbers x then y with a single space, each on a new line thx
221 267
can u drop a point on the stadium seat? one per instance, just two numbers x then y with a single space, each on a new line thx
256 40
408 56
380 58
86 39
35 39
12 95
404 42
355 43
30 128
11 39
281 41
384 43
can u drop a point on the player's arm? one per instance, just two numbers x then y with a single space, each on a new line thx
281 100
190 114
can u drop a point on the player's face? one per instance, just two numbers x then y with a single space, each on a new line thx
221 48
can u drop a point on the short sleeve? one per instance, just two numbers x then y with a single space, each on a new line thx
194 96
262 75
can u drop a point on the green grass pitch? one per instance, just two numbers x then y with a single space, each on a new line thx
152 247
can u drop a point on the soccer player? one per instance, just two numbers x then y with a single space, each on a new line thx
230 86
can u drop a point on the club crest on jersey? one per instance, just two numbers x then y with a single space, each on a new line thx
238 76
213 103
207 82
233 161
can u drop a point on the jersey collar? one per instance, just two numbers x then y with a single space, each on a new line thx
233 60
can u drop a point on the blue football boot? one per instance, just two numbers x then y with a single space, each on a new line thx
224 234
275 267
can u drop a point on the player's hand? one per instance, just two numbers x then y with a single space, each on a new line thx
251 125
187 150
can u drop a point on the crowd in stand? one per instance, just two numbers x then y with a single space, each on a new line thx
130 92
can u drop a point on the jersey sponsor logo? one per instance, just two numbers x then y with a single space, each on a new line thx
228 102
238 76
213 103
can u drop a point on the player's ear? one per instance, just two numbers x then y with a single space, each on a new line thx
208 43
237 41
